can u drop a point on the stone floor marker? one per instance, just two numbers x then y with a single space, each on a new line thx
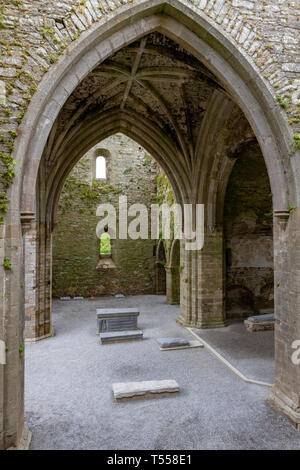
120 336
147 389
260 322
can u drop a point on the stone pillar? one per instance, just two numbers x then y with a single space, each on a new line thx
202 283
11 335
285 394
38 282
30 264
173 285
160 278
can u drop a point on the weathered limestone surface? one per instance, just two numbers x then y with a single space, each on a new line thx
149 388
172 342
260 323
119 336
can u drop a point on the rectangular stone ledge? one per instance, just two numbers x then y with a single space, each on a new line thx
260 323
172 342
117 312
147 389
120 336
190 345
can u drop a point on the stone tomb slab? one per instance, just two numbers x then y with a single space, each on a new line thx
147 389
118 336
190 344
172 342
260 322
116 319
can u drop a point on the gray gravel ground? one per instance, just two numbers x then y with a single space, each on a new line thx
69 402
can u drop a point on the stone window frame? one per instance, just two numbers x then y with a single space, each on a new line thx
101 152
106 260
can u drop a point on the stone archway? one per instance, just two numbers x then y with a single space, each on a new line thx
242 82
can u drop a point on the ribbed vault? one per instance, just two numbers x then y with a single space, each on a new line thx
160 95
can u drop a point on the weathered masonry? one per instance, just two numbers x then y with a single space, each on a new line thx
78 267
192 83
248 234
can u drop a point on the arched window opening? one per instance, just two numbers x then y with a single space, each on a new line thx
105 244
100 168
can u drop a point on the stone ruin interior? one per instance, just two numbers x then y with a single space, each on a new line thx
159 103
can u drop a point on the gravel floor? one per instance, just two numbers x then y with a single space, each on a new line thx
69 402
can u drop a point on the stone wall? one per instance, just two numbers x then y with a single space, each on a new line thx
248 225
76 248
35 34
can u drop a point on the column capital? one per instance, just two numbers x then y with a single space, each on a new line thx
26 219
282 216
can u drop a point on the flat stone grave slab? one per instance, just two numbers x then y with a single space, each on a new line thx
116 319
151 388
115 336
172 342
260 322
187 345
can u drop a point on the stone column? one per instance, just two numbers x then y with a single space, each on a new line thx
44 283
38 282
202 283
11 335
285 394
173 285
30 264
160 278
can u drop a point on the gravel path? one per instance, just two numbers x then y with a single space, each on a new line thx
69 402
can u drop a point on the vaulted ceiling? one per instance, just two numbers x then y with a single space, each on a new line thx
155 81
153 77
